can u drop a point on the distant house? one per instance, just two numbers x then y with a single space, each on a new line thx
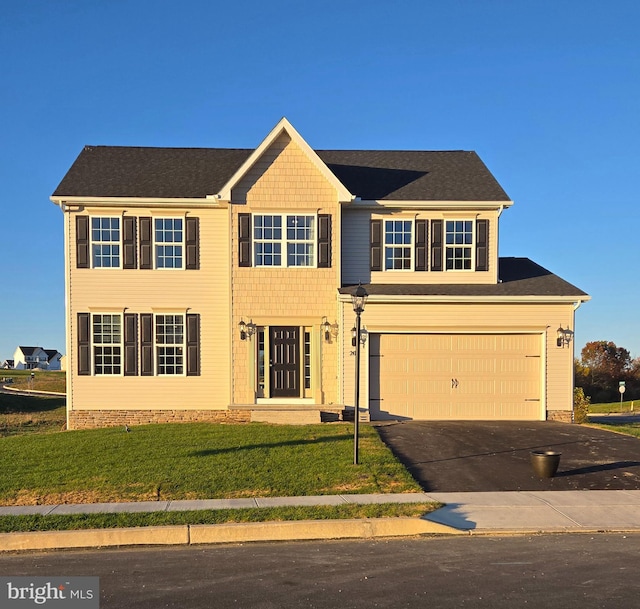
7 364
28 358
55 359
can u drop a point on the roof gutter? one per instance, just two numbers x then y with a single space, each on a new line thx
199 202
448 299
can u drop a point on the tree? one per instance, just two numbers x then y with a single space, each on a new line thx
602 366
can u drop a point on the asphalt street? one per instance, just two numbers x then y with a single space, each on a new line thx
565 571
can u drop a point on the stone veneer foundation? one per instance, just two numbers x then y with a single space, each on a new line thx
563 416
90 419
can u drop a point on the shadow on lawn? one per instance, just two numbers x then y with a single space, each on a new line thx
300 442
11 404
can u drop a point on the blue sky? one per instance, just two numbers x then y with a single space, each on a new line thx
546 92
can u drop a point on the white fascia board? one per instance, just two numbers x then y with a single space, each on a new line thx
284 126
436 205
441 299
63 202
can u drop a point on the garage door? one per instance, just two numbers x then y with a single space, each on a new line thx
455 376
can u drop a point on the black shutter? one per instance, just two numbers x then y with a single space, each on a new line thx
84 344
482 245
130 344
244 239
192 244
146 344
129 242
376 245
324 241
193 345
436 245
421 245
82 242
146 259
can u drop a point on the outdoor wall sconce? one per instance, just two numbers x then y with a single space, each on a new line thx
326 328
563 336
246 330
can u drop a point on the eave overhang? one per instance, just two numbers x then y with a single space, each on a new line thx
173 203
457 299
452 206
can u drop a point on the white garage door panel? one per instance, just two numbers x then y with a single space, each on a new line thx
455 376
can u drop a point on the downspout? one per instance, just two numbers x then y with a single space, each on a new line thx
66 218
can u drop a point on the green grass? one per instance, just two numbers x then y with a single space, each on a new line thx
29 414
195 461
630 406
42 380
10 524
630 429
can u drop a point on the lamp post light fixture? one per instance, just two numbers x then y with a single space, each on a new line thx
358 299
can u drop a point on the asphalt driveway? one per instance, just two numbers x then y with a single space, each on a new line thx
470 456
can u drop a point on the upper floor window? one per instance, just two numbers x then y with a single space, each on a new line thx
131 242
293 245
398 244
168 237
459 245
267 235
107 344
105 242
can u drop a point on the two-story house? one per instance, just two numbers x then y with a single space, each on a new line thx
30 358
215 284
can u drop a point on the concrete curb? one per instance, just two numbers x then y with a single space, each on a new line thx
367 528
34 392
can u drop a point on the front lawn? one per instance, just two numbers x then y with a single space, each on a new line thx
195 461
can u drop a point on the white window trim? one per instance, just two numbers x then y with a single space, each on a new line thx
156 345
472 245
95 344
155 244
411 245
284 241
92 242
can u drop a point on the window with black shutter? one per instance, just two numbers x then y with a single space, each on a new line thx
375 245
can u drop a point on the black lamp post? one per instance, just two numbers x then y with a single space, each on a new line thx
358 298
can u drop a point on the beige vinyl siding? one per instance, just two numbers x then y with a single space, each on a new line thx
356 257
283 181
473 318
203 291
355 247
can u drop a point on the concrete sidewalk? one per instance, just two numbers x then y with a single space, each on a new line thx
518 512
539 511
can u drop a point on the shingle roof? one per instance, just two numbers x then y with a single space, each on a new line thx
117 171
27 350
517 276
